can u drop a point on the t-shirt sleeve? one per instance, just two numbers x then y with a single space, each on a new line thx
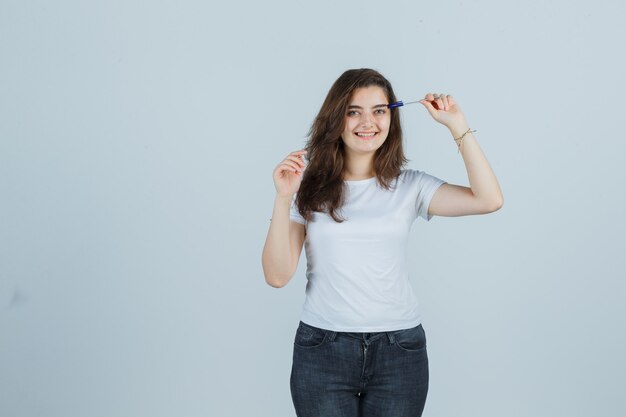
426 185
293 212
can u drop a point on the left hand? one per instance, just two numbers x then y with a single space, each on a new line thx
444 110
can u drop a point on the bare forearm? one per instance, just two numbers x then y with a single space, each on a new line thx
276 257
482 179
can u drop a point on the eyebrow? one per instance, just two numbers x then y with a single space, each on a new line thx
361 108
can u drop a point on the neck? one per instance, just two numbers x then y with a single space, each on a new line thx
358 167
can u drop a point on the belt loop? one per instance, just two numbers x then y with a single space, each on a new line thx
392 337
331 335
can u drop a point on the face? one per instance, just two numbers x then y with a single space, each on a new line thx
367 121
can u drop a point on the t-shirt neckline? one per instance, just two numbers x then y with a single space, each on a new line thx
364 181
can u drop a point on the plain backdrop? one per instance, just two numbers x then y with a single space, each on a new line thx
137 144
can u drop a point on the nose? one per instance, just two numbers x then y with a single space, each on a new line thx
366 119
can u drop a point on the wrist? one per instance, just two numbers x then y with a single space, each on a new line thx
283 197
458 129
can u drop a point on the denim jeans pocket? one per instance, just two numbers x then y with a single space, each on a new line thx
309 337
411 340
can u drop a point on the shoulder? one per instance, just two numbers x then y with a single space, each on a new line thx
415 175
416 178
410 175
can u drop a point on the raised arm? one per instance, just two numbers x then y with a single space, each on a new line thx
484 194
285 237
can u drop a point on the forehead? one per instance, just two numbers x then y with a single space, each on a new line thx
369 95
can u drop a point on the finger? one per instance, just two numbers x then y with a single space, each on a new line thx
439 102
446 104
296 166
297 159
429 107
298 154
451 101
289 166
435 101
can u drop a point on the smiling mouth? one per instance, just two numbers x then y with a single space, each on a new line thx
366 135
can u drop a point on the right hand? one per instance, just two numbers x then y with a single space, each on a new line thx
288 174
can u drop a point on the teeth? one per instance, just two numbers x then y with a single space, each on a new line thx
366 134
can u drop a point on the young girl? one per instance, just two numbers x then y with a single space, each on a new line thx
360 348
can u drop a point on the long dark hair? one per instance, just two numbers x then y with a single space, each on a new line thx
322 188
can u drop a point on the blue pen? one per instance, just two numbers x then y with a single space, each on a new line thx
400 104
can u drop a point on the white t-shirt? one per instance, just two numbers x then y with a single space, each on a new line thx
357 275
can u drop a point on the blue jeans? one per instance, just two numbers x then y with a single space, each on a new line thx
345 374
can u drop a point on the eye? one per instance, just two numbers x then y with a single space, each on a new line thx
352 112
381 111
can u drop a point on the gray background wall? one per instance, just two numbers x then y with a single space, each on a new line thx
137 143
